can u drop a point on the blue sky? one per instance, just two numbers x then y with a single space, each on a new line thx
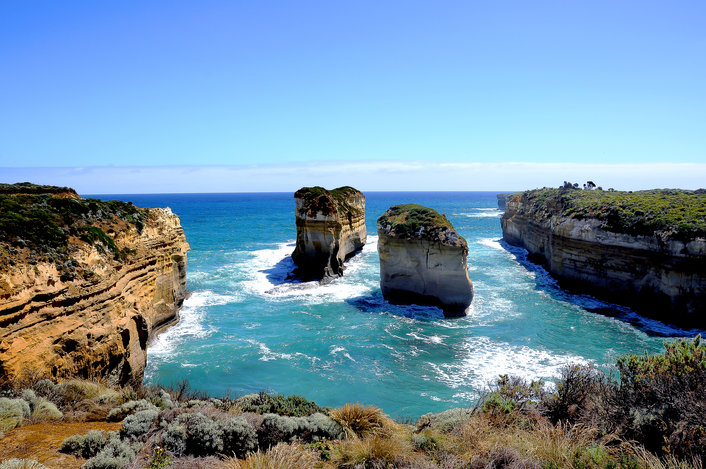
159 84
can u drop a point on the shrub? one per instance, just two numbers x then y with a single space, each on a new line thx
15 463
239 437
70 392
116 454
360 420
138 423
159 459
119 413
161 399
193 433
318 426
660 399
84 446
282 456
278 428
45 387
43 410
445 421
263 403
12 412
581 394
428 441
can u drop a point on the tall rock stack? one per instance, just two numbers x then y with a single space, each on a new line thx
330 229
423 259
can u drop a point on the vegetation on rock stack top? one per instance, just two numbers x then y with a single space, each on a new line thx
43 226
414 220
318 199
672 213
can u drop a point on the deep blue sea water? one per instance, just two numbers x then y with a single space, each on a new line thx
245 328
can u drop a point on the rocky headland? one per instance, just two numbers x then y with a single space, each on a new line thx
330 229
643 249
423 259
84 283
502 200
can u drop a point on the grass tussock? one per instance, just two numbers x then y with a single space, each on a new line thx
282 456
362 420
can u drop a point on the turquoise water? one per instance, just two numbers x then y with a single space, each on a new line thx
246 329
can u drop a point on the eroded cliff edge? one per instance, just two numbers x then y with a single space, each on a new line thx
643 249
85 283
423 260
330 229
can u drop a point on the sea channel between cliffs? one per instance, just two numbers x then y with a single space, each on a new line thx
248 327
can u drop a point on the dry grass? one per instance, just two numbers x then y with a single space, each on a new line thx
375 451
359 420
281 456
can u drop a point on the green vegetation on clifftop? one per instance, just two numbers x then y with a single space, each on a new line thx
411 220
318 199
679 214
44 225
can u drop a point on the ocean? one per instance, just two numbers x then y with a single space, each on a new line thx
246 328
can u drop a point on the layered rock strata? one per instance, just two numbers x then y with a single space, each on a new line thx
585 241
330 229
87 303
423 260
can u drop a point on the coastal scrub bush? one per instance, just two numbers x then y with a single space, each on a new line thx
161 399
16 463
318 427
71 392
582 393
281 456
360 420
84 446
278 428
138 423
193 433
445 421
239 437
660 400
43 410
12 412
263 403
116 454
44 387
119 413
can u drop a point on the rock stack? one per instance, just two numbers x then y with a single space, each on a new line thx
330 229
423 259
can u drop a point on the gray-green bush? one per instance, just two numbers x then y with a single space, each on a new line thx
84 446
119 413
16 463
116 454
239 437
137 424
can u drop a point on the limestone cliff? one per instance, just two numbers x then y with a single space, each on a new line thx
642 249
502 200
330 229
423 259
84 284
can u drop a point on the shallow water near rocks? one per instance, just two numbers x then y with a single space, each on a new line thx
247 328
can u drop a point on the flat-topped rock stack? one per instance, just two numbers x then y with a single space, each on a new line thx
330 229
423 259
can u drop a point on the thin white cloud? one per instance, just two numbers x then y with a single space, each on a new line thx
366 175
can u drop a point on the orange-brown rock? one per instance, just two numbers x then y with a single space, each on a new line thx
97 319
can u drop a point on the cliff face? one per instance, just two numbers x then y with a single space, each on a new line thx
423 260
659 275
502 200
87 307
330 229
